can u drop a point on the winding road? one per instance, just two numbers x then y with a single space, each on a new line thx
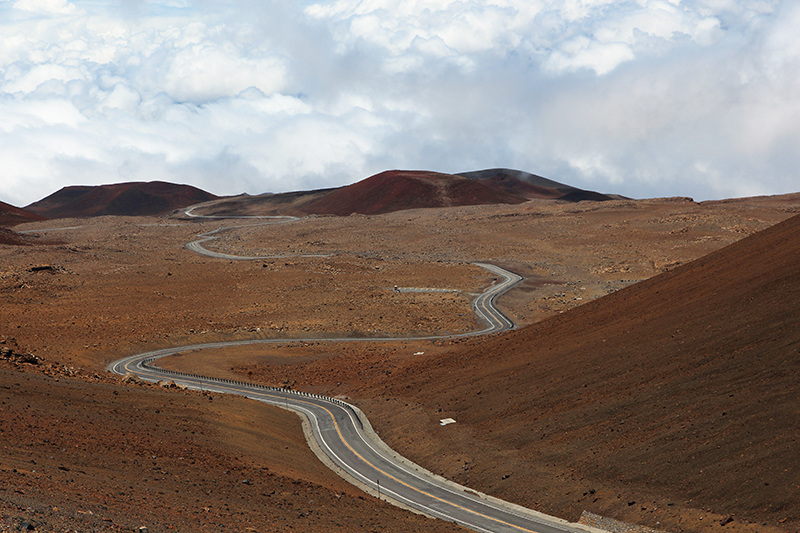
344 439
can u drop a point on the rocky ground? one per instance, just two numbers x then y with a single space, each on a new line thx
115 286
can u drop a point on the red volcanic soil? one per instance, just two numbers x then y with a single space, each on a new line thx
11 216
11 237
396 190
672 403
532 186
99 455
672 397
127 199
528 190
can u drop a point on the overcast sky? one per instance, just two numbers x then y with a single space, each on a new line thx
642 98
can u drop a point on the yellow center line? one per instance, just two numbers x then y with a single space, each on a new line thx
341 437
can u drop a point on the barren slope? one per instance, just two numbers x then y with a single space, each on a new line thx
397 190
531 185
92 454
128 199
400 190
115 285
681 390
11 216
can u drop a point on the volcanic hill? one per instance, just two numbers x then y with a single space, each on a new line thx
127 199
11 216
398 190
681 390
533 186
84 451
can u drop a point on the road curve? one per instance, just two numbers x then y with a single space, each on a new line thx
344 436
197 246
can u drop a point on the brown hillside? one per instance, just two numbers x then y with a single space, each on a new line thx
513 185
396 190
97 455
119 285
533 186
11 216
126 199
11 238
282 204
654 404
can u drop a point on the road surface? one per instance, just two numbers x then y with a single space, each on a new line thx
346 440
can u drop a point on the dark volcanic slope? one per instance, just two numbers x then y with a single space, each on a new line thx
396 190
127 199
532 186
11 237
521 175
686 386
11 216
95 455
282 204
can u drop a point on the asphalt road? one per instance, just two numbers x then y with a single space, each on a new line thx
340 433
344 435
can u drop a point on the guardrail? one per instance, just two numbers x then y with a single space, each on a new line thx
146 363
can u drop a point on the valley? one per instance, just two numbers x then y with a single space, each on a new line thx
121 285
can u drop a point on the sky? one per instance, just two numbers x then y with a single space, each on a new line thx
641 98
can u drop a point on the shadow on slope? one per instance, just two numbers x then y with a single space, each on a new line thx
11 216
126 199
397 190
684 386
533 186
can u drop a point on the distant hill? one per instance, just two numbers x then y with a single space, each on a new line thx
397 190
126 199
11 216
683 386
533 186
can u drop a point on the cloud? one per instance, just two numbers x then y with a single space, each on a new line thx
61 7
645 98
583 52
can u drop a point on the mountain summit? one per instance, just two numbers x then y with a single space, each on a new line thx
398 190
128 199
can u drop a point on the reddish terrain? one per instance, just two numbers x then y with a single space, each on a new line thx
127 199
93 454
679 392
533 186
659 360
11 216
12 238
399 190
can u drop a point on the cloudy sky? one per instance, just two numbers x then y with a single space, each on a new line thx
643 98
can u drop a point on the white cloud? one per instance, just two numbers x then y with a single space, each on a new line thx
207 72
644 98
27 81
33 115
61 7
583 52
